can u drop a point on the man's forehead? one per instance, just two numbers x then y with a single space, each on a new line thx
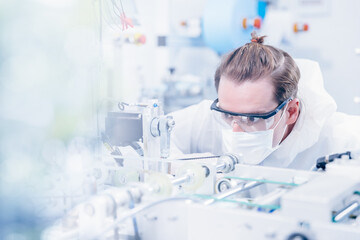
248 96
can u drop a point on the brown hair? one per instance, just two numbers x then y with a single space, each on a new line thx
254 60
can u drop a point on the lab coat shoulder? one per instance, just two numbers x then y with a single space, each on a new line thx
341 132
195 130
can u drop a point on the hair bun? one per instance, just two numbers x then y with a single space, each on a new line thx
255 38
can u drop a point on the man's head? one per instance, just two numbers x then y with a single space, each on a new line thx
257 79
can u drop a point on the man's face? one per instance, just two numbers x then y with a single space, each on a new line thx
251 97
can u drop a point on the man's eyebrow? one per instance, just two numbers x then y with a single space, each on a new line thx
263 111
254 112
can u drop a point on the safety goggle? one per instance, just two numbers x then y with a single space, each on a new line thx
248 122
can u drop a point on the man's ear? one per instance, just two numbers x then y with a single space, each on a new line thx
293 110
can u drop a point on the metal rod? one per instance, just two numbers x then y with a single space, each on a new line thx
164 167
180 180
271 197
345 212
152 159
220 167
196 158
232 191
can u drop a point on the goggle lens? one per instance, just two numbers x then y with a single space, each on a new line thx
247 124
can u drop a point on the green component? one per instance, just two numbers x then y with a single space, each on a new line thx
263 181
238 202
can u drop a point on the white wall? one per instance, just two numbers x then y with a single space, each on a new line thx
333 36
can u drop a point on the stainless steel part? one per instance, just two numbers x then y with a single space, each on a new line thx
232 191
345 212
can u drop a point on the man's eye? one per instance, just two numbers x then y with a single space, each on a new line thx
253 119
227 116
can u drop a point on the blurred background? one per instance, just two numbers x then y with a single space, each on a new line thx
65 63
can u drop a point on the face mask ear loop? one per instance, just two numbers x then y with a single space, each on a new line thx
232 123
283 113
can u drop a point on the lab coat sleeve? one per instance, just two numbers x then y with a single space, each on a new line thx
188 126
182 133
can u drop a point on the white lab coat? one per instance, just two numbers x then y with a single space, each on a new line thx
319 130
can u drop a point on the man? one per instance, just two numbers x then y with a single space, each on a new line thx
266 112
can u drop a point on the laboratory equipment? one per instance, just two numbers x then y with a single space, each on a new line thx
212 197
140 123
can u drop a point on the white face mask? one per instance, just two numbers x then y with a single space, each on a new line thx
254 146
